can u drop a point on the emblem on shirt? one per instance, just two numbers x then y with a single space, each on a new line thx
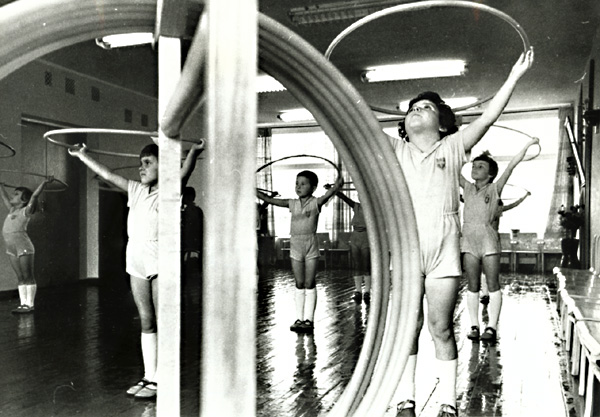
440 162
487 199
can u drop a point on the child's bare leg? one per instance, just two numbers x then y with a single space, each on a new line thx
144 294
26 262
473 272
300 293
356 272
21 286
441 299
406 388
491 267
311 290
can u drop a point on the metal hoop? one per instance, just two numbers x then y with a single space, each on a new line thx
48 136
33 174
339 171
525 192
428 5
11 150
526 134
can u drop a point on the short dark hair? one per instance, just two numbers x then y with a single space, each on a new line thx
447 116
149 150
313 179
26 194
486 157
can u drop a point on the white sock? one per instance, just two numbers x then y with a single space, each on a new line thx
31 290
406 388
22 294
299 299
311 304
473 307
358 283
447 385
494 308
149 343
367 283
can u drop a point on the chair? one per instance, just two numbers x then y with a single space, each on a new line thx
527 245
343 247
324 246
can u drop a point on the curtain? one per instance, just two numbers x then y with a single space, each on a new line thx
264 178
563 182
342 211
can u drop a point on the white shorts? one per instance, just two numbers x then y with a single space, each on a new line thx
304 247
480 240
142 259
440 249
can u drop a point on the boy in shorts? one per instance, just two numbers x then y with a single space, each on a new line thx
431 155
304 246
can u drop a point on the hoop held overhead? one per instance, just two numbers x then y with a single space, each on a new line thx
11 150
151 134
428 5
339 171
33 174
527 158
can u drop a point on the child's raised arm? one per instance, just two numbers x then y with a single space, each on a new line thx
330 192
281 202
81 152
32 205
342 196
476 129
190 161
513 163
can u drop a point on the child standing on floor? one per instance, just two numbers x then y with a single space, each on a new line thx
431 156
142 247
21 206
480 242
304 246
484 292
359 250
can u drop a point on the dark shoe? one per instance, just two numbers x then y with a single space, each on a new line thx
367 298
297 326
307 326
406 409
474 333
489 335
357 297
447 410
484 299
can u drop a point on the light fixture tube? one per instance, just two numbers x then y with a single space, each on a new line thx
295 115
125 39
267 84
415 70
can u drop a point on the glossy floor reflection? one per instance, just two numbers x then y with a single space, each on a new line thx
79 351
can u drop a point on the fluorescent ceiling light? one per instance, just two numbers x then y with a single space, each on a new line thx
295 115
125 39
332 12
267 84
415 70
453 102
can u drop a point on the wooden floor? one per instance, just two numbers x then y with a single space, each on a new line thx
79 351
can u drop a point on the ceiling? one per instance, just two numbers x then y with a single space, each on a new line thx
561 32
